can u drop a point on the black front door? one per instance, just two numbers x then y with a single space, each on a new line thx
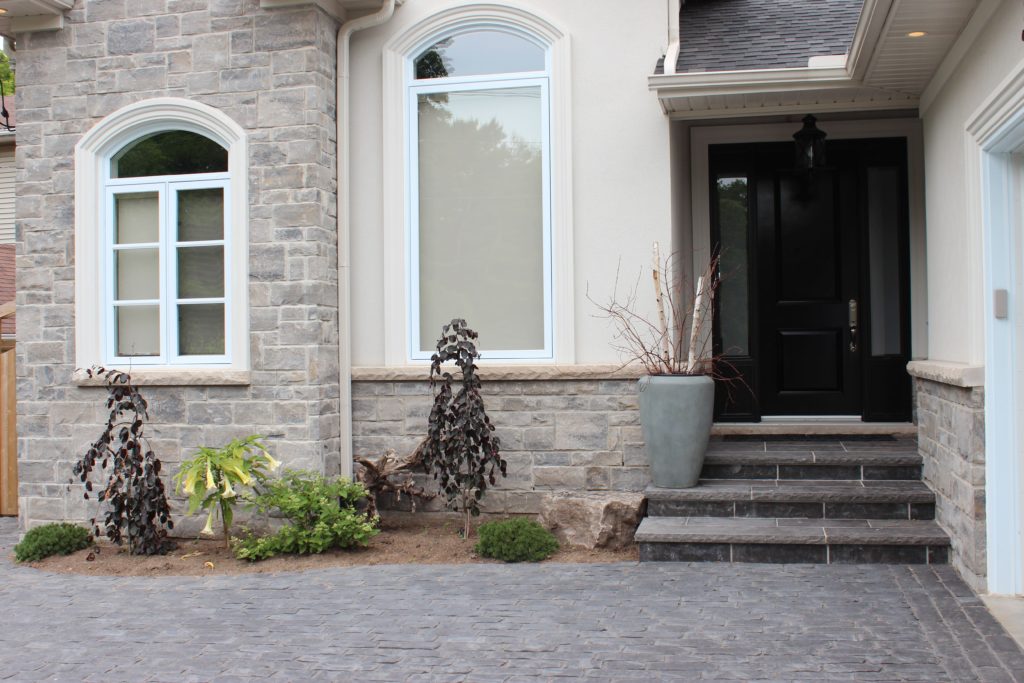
812 313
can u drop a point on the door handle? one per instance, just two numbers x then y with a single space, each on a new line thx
853 320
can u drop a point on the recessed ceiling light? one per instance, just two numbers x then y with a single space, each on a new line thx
916 34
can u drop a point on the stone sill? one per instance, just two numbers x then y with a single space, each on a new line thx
944 372
173 378
503 373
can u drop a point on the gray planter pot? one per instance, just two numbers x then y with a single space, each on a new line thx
676 412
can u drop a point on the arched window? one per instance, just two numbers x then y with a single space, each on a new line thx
479 164
160 231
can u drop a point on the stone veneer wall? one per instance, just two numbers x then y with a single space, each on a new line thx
272 71
951 437
557 435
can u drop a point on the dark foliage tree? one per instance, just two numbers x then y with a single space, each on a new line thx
136 508
461 450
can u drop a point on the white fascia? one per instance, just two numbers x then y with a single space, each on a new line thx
874 17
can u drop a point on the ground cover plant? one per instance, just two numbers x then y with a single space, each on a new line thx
322 513
211 476
461 450
515 540
133 498
51 539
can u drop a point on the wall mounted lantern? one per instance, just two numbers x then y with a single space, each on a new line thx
810 145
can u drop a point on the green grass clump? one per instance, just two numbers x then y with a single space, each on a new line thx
51 539
516 540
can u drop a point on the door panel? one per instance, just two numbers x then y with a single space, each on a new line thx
816 245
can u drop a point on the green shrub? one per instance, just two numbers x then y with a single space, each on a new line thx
322 514
515 540
51 539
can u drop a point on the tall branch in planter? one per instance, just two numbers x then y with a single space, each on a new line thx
136 503
683 314
461 450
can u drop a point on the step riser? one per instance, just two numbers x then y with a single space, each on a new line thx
768 509
811 472
793 553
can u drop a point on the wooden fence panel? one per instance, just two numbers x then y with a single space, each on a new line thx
8 435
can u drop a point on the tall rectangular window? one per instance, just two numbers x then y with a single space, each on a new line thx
480 229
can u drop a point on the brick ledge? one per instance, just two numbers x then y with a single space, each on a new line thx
945 372
508 373
173 378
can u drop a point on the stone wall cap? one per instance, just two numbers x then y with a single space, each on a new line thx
947 372
511 373
172 378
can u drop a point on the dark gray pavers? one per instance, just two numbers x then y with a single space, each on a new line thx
618 622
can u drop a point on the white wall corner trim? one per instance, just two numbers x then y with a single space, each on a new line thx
92 153
995 139
397 53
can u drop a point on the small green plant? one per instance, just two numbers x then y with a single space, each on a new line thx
322 514
51 539
515 540
210 478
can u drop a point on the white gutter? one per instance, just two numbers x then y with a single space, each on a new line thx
385 13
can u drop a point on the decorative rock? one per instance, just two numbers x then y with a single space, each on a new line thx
600 520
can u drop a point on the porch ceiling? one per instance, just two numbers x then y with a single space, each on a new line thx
32 15
885 69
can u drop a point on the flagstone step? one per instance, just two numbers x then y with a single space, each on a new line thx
785 540
867 465
814 499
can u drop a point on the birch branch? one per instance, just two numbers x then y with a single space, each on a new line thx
666 343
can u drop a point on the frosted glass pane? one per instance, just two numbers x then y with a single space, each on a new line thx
733 313
138 274
200 272
138 330
884 259
201 215
478 53
201 330
172 152
481 216
136 218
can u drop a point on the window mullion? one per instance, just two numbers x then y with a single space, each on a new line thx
170 279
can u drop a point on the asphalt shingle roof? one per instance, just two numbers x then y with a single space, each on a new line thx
728 35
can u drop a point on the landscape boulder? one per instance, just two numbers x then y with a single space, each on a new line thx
597 520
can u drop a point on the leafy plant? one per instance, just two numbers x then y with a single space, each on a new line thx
461 450
210 477
322 514
515 540
136 503
51 539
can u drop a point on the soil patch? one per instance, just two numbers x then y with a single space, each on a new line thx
412 539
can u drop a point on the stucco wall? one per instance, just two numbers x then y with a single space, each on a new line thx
621 193
955 269
273 72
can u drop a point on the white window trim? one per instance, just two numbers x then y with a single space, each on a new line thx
92 244
398 289
995 207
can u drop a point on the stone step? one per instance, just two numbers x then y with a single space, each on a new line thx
868 465
814 499
852 541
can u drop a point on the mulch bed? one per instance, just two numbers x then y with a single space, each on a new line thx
404 539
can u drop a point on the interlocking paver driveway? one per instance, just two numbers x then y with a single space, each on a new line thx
504 622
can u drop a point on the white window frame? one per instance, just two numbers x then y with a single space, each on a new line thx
401 343
532 79
95 328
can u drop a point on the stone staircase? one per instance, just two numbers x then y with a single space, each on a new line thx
801 500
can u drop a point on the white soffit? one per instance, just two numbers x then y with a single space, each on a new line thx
28 16
339 9
886 69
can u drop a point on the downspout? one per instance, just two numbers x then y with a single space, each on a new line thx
385 13
672 49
